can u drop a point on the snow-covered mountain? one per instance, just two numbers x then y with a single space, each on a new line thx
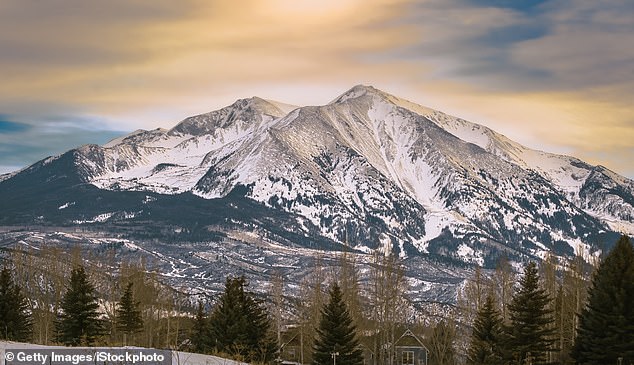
368 169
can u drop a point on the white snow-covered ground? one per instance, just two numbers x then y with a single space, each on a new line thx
178 357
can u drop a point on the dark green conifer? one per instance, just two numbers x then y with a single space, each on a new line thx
260 339
240 325
129 320
200 331
15 318
227 322
530 335
336 335
606 324
79 322
486 339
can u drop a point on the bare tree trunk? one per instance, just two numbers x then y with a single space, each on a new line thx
310 302
387 287
504 280
548 273
349 281
278 302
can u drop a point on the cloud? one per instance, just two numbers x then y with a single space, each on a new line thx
118 59
7 126
554 74
23 143
143 66
522 46
587 47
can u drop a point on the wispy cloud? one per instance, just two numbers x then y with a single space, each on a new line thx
7 126
555 74
127 60
23 143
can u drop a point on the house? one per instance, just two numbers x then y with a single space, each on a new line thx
369 357
409 350
291 345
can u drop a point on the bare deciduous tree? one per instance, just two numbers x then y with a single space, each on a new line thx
43 271
388 305
503 282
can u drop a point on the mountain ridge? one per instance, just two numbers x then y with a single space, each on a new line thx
369 167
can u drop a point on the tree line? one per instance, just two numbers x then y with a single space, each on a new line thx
132 307
548 326
550 314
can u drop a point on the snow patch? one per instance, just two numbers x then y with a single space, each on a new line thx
66 205
468 254
96 219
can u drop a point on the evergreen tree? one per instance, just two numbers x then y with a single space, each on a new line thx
227 321
336 334
487 335
606 324
200 331
129 319
530 335
15 320
260 337
79 323
240 325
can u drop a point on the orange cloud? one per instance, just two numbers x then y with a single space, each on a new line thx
142 61
150 64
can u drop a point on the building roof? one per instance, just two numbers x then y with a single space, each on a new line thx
409 339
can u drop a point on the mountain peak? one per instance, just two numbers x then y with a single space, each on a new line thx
359 91
365 88
267 107
254 109
272 107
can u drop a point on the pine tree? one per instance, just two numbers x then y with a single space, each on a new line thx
200 331
129 319
79 323
487 335
260 336
227 321
606 324
15 320
530 335
240 325
336 335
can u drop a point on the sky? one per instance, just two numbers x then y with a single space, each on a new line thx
554 75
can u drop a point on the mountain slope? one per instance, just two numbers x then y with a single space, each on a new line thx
595 189
368 169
